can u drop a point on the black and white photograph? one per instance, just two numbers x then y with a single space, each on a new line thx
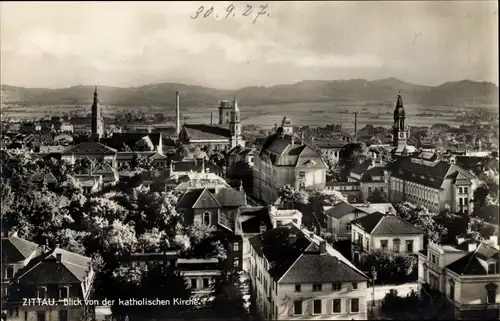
281 160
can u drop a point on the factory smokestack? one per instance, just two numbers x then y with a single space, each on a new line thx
177 114
211 118
355 126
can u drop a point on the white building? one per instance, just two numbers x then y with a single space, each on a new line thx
296 275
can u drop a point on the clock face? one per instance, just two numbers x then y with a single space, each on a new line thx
401 135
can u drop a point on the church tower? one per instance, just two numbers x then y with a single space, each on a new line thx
286 125
97 120
235 125
399 129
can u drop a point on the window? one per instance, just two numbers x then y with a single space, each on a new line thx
10 272
355 305
348 226
452 290
491 293
297 307
279 223
206 283
236 262
302 186
302 174
206 218
409 246
63 292
317 287
460 190
194 283
63 315
236 246
336 306
367 242
317 307
40 316
297 288
25 315
381 188
466 190
336 286
369 189
42 293
492 268
383 244
354 286
395 245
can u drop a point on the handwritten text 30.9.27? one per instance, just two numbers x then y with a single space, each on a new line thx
231 11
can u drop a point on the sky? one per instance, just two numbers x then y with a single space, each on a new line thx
63 44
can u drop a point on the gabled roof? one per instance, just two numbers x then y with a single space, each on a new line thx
230 197
295 258
90 148
339 210
206 200
476 262
118 140
189 198
43 269
206 132
432 176
385 224
15 249
372 172
361 168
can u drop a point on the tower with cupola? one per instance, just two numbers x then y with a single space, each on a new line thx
235 125
400 131
287 125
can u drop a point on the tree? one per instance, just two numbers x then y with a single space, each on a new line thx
389 266
290 195
118 239
350 156
241 171
182 152
422 218
230 294
331 163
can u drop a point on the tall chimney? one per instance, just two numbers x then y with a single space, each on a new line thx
177 114
355 126
211 118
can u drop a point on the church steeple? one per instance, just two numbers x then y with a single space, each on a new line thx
235 125
400 130
97 120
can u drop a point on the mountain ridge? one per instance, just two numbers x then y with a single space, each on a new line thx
463 92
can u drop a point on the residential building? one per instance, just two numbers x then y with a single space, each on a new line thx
284 159
135 142
217 208
467 274
296 275
370 177
386 232
339 217
350 190
16 254
188 181
330 147
90 150
252 221
54 276
431 182
225 135
241 154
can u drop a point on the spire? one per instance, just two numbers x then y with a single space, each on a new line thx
399 103
96 99
235 104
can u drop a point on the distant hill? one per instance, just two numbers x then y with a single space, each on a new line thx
379 91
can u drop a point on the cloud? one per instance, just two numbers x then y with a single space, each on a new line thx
133 43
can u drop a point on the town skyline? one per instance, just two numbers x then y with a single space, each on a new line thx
161 43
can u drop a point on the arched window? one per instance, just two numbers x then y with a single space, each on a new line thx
263 227
206 218
396 243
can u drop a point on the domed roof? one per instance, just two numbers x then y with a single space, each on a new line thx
287 121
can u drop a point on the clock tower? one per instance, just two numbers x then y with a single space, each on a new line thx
400 131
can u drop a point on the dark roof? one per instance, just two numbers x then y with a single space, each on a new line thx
204 131
15 249
431 176
385 224
361 168
90 148
299 153
230 197
251 219
206 200
372 172
329 143
195 165
294 258
189 198
44 269
341 209
118 140
475 263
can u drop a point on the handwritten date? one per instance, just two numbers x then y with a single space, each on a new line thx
232 11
